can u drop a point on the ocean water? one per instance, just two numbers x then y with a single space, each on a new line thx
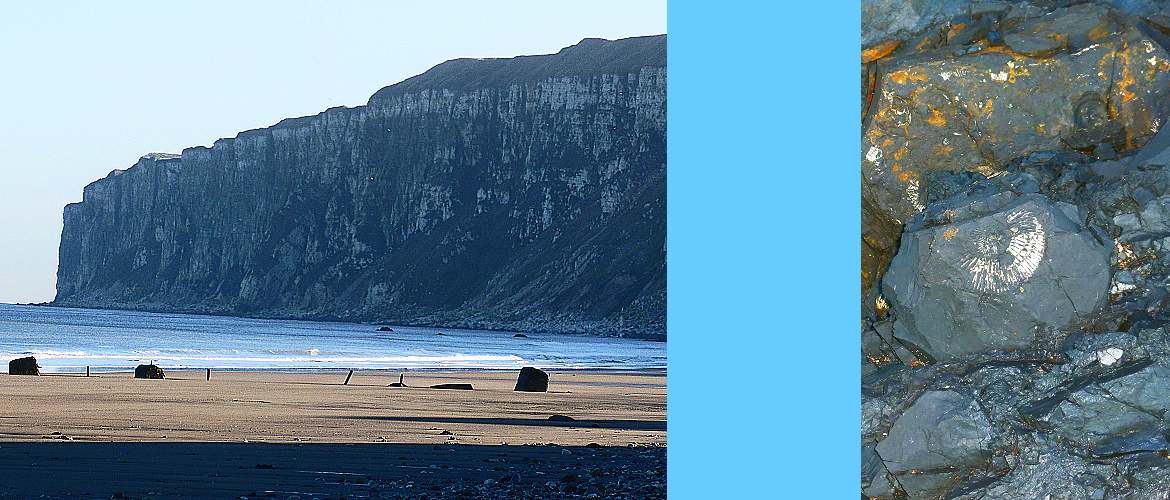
68 340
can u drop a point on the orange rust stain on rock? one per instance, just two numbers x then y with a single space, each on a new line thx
944 150
987 108
1153 67
879 51
902 76
955 30
1106 63
950 233
1014 71
1125 85
1005 50
936 118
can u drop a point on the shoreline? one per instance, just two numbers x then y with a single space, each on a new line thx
633 335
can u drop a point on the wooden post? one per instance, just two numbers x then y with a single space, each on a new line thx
347 377
401 376
87 370
209 374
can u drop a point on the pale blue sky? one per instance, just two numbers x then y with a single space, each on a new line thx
86 88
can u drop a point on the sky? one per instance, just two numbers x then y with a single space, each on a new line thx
88 88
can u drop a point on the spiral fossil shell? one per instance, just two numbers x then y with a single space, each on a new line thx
1005 256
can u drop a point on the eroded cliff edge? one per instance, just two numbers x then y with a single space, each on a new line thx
525 193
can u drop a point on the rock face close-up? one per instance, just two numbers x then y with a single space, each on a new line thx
525 193
1015 175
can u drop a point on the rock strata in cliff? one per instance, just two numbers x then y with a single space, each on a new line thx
523 193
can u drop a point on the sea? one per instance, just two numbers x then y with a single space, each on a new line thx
66 340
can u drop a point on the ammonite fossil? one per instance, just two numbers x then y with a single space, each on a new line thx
1004 256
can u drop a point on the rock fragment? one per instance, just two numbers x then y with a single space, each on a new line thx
150 371
989 272
532 380
939 439
24 366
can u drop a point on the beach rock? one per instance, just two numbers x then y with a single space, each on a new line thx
385 329
561 418
532 380
986 272
1081 78
459 387
520 336
24 366
148 371
940 438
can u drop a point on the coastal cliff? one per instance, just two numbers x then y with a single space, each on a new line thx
525 193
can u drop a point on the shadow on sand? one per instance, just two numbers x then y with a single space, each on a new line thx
230 470
631 425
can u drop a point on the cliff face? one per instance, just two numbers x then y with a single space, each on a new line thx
524 193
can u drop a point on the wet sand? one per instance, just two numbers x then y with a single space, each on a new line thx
308 433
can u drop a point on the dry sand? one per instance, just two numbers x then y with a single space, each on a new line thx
102 435
611 408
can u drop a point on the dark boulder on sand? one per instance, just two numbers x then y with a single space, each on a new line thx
532 380
385 329
148 371
24 366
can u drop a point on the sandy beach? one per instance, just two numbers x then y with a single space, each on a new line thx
396 442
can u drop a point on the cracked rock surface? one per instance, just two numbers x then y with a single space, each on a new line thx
991 272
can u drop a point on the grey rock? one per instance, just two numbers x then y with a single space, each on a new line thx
1054 475
875 481
876 416
942 435
886 19
1091 418
1034 44
992 272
